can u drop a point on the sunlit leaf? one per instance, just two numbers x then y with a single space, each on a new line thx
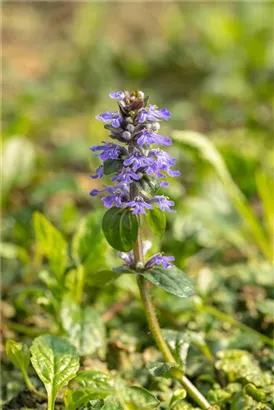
172 279
19 354
50 243
84 326
75 398
136 398
56 362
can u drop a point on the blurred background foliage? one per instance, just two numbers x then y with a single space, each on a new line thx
211 65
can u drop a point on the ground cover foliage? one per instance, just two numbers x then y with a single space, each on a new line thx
71 326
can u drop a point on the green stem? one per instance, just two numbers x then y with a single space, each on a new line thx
153 321
229 319
156 330
51 402
36 392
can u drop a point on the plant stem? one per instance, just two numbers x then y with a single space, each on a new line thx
229 319
156 330
36 392
153 321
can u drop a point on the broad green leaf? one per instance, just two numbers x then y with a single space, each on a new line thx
120 227
178 345
50 243
19 354
84 326
75 398
95 379
94 385
55 361
160 369
172 279
112 165
136 398
112 403
207 149
177 396
157 221
89 238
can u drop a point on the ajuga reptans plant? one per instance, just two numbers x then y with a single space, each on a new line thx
137 168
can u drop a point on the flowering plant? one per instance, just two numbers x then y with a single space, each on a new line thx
138 168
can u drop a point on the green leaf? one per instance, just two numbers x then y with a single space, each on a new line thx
55 361
94 385
136 398
173 280
120 227
207 149
19 354
50 243
159 369
178 345
89 238
240 364
112 403
75 398
157 221
84 326
177 396
112 165
123 269
95 379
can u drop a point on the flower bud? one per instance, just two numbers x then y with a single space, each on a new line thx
126 135
130 127
129 120
140 265
155 126
141 95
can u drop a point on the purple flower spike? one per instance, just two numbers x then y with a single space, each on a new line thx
159 259
132 162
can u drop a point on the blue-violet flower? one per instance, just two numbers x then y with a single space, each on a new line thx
136 164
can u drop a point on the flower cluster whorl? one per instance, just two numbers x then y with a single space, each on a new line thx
135 125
